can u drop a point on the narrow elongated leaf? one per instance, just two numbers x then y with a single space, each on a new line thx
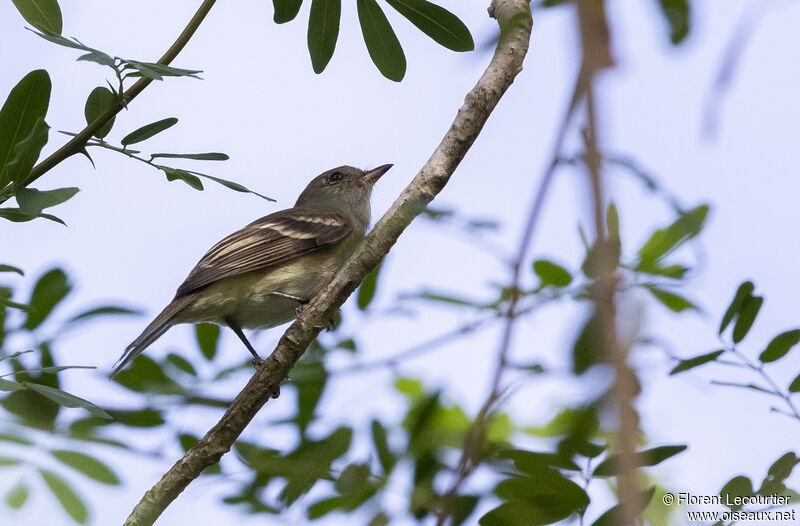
104 311
44 15
8 461
551 273
437 22
794 387
11 268
148 130
385 455
158 71
100 99
780 345
665 240
51 288
672 301
366 291
8 385
99 57
18 216
32 201
26 152
230 184
285 10
612 516
211 156
207 336
25 106
323 31
89 466
67 400
66 496
649 457
176 174
691 363
747 315
743 292
382 44
677 14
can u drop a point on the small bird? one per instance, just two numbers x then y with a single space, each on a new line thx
260 276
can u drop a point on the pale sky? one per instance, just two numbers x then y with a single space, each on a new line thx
132 236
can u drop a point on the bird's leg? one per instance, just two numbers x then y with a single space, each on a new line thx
302 303
257 361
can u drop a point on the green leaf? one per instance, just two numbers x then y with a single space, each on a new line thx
285 10
669 271
743 292
67 400
691 363
437 22
586 350
230 184
66 496
8 461
89 466
747 315
181 363
15 439
794 387
670 300
48 292
18 216
158 71
323 31
366 291
10 268
648 457
16 498
139 418
207 336
740 486
780 345
23 111
8 385
385 455
32 201
677 15
104 311
174 174
145 375
665 240
148 130
382 44
101 58
551 273
26 152
44 15
100 99
210 156
612 222
612 518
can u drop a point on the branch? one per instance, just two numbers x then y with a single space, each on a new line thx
514 19
78 142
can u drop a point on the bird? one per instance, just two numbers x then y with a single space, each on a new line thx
259 277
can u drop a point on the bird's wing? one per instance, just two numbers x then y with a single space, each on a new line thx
268 241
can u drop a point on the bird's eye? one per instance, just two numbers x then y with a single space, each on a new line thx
335 177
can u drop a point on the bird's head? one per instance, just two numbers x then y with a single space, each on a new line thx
343 189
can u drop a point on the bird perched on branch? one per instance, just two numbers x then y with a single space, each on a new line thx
260 276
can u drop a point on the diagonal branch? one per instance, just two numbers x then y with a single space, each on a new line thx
515 22
78 142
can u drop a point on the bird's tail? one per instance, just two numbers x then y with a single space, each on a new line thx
157 327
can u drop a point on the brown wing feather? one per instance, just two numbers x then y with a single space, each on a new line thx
268 241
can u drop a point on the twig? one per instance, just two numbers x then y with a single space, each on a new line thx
514 19
78 143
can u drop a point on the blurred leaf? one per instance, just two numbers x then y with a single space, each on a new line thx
174 174
22 113
32 201
285 10
670 271
148 130
385 455
101 58
138 418
677 15
309 378
53 369
352 478
181 363
66 496
99 100
382 44
794 387
15 439
648 457
89 466
67 400
691 363
210 156
612 222
612 518
740 486
778 472
381 519
670 300
104 311
44 15
551 273
747 315
534 462
8 461
144 375
207 335
443 298
664 241
366 291
780 345
409 387
10 268
48 292
586 351
437 22
743 293
323 31
17 496
228 184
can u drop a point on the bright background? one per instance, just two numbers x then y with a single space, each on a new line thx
132 236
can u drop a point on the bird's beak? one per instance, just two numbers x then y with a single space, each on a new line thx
373 175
